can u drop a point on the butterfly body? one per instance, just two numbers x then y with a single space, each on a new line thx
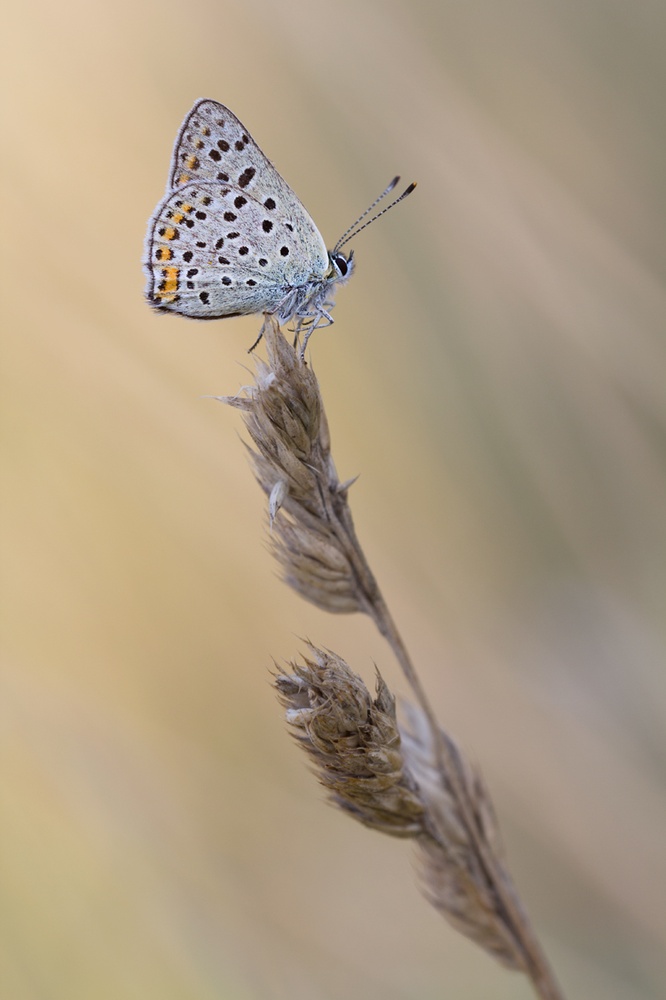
231 238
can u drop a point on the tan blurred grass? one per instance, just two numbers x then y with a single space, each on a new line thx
505 332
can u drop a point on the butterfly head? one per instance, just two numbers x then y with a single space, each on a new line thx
341 266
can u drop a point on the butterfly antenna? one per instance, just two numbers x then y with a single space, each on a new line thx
368 209
346 237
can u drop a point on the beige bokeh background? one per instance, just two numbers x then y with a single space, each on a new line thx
496 375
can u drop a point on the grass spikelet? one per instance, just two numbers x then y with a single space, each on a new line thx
312 534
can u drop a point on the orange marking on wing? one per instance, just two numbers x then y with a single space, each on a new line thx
170 284
164 253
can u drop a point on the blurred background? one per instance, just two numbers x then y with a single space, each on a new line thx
496 377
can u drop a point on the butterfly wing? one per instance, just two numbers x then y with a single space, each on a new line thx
213 145
214 251
218 171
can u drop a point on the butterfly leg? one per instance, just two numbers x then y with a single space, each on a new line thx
316 326
257 341
327 316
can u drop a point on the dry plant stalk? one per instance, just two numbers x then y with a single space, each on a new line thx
406 780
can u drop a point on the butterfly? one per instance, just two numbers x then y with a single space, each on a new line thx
232 239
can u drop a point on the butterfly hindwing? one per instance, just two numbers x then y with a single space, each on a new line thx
214 250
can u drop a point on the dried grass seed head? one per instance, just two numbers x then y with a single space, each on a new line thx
352 741
312 534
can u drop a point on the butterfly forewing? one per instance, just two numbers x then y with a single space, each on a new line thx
213 145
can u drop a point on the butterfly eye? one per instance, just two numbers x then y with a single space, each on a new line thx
340 263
